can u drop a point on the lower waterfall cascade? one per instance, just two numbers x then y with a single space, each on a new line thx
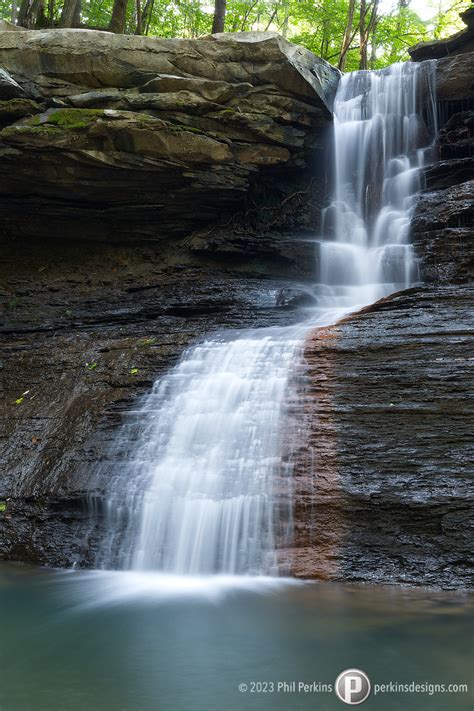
193 493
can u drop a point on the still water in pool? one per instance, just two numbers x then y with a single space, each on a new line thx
118 641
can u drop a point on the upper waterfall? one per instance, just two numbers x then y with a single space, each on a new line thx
381 140
195 494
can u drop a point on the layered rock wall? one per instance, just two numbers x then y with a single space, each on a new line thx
109 136
151 192
383 476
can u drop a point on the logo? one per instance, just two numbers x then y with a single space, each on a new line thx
352 687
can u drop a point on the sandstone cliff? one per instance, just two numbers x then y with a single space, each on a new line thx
151 191
145 138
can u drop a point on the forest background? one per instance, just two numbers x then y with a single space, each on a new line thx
352 34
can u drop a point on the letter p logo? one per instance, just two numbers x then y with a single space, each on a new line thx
352 686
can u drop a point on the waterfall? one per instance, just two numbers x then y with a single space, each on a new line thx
195 491
381 140
203 468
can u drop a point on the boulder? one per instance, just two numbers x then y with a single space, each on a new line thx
9 88
158 135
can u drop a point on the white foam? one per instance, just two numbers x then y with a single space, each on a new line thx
96 588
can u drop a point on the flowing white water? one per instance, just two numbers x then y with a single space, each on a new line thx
195 495
381 141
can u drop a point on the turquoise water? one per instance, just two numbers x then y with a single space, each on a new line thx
77 641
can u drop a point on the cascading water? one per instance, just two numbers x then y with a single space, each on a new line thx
203 471
195 494
381 141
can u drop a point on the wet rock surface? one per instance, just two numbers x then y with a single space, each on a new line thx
151 192
118 253
454 80
442 226
87 328
442 232
383 477
383 481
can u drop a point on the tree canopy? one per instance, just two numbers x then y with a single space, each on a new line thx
349 33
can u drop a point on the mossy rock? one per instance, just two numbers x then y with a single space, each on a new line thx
55 123
14 109
74 118
183 128
38 129
146 118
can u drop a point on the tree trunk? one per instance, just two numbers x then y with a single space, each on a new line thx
119 17
348 36
323 51
28 14
272 17
41 18
32 14
147 14
68 14
139 27
247 15
286 19
76 20
368 21
402 5
363 64
373 47
219 16
14 11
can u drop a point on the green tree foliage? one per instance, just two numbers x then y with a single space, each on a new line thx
350 33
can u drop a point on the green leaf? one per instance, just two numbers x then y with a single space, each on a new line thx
133 371
3 506
20 399
147 341
91 366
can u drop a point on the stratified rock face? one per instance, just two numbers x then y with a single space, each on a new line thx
442 227
156 135
113 151
454 80
459 43
86 329
383 475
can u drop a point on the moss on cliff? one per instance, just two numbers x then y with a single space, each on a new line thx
56 123
11 131
74 118
17 108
